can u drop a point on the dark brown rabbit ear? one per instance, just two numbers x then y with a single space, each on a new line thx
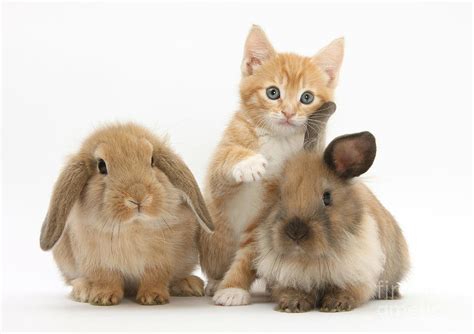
66 191
182 178
316 126
351 155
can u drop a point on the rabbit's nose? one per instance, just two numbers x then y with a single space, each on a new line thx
135 204
296 229
138 192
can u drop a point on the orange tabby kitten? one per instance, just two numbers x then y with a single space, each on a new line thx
278 92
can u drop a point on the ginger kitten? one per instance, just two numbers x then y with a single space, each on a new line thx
278 92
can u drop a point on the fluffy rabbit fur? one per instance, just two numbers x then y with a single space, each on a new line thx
323 239
122 219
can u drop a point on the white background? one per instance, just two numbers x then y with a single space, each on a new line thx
406 77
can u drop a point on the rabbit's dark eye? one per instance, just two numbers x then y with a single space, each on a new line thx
102 166
273 93
152 162
307 97
327 200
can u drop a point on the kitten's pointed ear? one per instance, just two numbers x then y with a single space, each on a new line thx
329 59
351 155
257 50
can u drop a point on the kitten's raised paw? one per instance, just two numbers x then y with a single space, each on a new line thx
153 297
295 305
250 169
188 286
231 297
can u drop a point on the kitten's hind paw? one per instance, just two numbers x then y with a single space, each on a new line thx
231 297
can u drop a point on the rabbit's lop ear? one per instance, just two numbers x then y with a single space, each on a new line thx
182 178
351 155
66 191
316 124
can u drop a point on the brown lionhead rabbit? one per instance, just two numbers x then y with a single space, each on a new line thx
122 219
323 239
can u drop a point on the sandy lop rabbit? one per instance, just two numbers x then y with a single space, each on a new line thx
122 219
323 239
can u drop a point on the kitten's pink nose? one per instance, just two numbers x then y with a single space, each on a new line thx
288 113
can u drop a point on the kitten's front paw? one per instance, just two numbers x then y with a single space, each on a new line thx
231 297
250 169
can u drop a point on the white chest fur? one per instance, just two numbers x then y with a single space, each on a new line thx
246 202
277 149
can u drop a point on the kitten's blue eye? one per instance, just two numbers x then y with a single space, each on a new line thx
273 93
307 97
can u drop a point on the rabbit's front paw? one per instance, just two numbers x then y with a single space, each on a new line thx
295 305
337 302
231 297
81 289
250 169
188 286
105 295
153 297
